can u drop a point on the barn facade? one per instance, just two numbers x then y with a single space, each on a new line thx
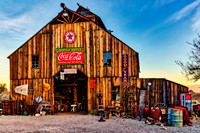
78 58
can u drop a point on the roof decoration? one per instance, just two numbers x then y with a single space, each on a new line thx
82 14
68 16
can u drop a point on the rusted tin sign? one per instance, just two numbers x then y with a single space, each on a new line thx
125 75
22 89
92 84
69 56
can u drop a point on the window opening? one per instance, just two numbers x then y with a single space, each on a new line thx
35 61
83 13
107 58
116 93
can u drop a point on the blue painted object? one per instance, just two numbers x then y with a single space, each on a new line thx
169 112
177 117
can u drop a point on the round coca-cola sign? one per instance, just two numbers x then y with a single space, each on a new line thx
70 36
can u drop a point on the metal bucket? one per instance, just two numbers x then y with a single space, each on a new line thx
177 117
169 112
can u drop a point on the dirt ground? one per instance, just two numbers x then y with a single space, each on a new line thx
84 123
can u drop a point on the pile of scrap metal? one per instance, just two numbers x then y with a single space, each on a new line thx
196 110
21 107
157 116
195 116
173 116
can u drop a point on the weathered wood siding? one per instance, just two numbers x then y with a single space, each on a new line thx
162 91
94 39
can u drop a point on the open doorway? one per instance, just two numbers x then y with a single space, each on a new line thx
70 92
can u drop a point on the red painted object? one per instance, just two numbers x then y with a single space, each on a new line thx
92 84
146 112
69 57
196 106
70 37
155 114
187 96
186 119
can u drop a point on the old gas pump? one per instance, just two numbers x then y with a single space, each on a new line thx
100 108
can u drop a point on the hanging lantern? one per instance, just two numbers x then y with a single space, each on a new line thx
65 14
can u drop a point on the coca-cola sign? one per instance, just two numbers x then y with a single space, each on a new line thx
69 56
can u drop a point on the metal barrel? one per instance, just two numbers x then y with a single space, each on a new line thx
177 117
169 112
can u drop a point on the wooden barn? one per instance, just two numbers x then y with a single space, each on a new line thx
161 91
71 60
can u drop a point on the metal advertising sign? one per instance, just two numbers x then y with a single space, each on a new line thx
187 96
70 36
125 75
69 56
70 71
22 89
46 87
92 84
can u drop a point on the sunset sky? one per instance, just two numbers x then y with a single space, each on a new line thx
157 29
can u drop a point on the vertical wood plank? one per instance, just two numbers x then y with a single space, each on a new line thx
101 52
88 53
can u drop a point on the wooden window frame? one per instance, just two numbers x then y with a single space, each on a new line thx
107 65
116 93
35 62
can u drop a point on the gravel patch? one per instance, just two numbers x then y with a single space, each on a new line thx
74 123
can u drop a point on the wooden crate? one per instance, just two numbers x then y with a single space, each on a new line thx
7 107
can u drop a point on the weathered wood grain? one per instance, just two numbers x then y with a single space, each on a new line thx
95 41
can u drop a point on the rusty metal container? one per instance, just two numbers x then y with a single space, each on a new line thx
177 117
155 114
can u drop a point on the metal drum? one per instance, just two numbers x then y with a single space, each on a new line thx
177 117
169 112
146 112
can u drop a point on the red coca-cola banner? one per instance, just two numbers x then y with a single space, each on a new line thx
68 56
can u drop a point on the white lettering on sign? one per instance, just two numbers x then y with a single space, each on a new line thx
70 56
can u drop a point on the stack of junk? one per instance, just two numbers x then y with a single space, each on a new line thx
21 107
172 116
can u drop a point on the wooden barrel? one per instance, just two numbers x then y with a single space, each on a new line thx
177 117
169 112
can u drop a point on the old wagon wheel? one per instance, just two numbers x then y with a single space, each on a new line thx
161 106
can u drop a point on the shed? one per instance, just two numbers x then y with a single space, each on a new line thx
160 90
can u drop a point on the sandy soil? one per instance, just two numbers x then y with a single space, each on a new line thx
84 123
